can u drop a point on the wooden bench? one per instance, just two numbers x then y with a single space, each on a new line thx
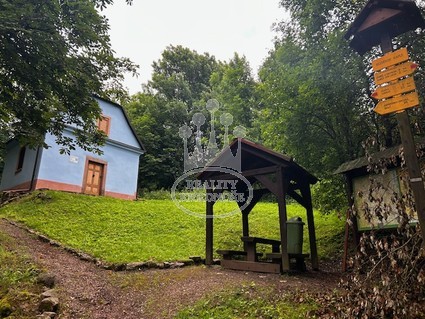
229 254
299 259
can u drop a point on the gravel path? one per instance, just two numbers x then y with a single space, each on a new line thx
87 291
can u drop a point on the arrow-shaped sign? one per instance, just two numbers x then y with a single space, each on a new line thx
390 59
395 72
397 103
397 88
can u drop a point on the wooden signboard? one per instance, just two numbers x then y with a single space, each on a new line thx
394 181
398 103
397 88
390 59
395 72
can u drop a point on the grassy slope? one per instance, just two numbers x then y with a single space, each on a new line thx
123 231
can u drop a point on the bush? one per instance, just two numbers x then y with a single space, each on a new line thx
156 194
329 195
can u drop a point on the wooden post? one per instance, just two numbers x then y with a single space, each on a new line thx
350 194
346 238
245 224
355 228
413 167
311 229
209 229
281 200
245 227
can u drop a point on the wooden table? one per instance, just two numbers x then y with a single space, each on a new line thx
250 244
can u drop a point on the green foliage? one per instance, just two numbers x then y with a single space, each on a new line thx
155 194
311 98
329 195
314 19
180 79
122 231
249 301
182 74
157 121
182 82
234 87
54 55
314 90
19 293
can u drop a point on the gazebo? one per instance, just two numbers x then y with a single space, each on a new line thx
255 171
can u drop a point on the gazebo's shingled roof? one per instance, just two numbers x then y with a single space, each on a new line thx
262 157
375 157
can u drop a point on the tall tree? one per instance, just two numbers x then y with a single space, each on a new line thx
182 74
54 55
312 103
315 91
157 121
182 82
234 87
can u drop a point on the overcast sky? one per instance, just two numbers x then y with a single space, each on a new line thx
142 31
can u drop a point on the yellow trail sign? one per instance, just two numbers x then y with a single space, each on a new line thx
389 59
397 88
398 103
395 72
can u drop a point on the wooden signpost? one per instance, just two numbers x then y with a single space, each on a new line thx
395 72
391 96
397 103
402 86
390 59
377 24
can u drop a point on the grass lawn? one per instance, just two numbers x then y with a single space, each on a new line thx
126 231
251 302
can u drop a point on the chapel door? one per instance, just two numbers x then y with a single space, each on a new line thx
94 178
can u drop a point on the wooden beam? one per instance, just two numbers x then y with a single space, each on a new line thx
350 215
245 224
251 266
305 191
297 197
350 194
209 231
346 237
409 149
215 191
257 194
247 173
268 183
260 171
282 185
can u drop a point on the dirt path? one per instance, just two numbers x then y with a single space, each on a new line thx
87 291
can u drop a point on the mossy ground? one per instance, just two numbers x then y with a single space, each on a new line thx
19 290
